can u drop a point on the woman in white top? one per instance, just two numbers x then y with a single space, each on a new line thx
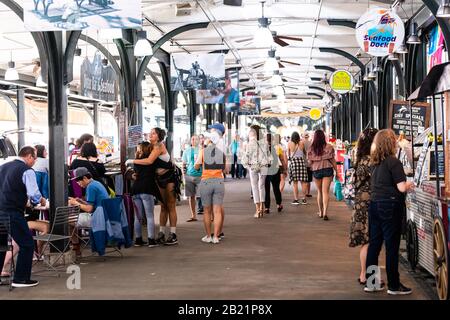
42 168
256 159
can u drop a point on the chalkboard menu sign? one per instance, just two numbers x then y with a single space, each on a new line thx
399 117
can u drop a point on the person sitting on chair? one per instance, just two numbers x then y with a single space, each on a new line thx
95 194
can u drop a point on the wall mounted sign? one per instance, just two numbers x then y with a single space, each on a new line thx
98 81
380 32
197 71
315 113
399 117
341 81
57 15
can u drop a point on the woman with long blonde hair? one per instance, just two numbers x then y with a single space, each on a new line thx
388 187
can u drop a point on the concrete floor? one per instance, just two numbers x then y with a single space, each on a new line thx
292 255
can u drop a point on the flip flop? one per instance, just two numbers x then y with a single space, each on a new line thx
191 220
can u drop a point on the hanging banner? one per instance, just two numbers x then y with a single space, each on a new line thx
228 95
380 32
315 113
58 15
135 136
436 46
341 81
98 81
197 71
250 104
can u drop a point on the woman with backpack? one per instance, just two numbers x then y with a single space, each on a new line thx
256 158
359 227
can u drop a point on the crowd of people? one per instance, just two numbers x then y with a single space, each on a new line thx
269 160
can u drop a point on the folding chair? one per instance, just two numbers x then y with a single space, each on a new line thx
64 220
6 243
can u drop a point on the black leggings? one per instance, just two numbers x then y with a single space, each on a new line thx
275 180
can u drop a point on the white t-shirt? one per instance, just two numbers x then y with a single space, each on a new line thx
41 165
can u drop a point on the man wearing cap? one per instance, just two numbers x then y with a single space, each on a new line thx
95 194
95 191
17 186
212 160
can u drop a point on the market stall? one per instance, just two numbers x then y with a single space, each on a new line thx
427 206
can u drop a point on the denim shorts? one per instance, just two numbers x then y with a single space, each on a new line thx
323 173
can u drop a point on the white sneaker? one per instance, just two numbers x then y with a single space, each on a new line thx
207 239
215 240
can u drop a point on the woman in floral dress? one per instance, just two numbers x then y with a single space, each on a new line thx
359 229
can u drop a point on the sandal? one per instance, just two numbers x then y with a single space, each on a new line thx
191 220
363 283
319 215
325 218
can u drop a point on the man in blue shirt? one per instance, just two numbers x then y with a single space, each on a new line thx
17 186
236 167
192 177
95 191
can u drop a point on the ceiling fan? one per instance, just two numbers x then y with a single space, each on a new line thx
264 23
278 59
276 38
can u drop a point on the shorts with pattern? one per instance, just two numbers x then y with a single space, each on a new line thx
297 169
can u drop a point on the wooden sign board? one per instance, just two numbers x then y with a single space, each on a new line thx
399 117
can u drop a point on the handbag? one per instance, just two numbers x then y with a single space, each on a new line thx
84 220
349 190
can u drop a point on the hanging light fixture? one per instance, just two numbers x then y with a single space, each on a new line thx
77 62
393 57
413 37
402 49
40 83
143 47
372 75
271 63
278 90
377 68
276 79
263 36
444 9
11 73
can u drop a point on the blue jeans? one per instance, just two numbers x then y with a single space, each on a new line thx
144 203
385 223
22 236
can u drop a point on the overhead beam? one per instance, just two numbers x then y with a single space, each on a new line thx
157 46
344 54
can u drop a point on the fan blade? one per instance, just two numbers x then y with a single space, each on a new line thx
280 42
246 89
224 51
290 38
243 40
284 80
292 88
280 65
316 79
290 62
244 80
257 65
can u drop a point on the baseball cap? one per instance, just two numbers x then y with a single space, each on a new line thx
79 173
218 126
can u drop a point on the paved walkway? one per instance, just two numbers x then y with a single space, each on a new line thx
292 255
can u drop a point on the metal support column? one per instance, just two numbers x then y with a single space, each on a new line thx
192 112
169 107
21 117
96 118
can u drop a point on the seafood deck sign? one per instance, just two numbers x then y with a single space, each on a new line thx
380 32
